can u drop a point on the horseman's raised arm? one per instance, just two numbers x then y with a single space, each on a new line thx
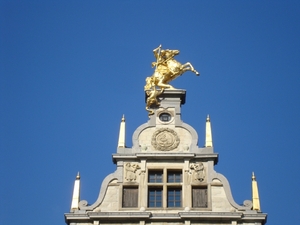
156 51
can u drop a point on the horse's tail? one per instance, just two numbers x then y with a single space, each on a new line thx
151 111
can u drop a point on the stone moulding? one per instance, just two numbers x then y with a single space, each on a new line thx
115 216
165 216
224 216
211 215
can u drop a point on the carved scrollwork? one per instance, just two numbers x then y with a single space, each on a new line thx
248 204
165 139
82 203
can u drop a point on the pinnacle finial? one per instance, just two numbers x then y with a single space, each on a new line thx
121 142
255 194
207 118
253 176
208 134
76 194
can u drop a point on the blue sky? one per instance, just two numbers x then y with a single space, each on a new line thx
69 70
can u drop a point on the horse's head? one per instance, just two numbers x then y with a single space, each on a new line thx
170 53
175 52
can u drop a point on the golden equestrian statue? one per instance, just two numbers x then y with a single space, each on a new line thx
166 70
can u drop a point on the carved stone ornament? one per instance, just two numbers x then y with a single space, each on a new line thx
197 171
165 139
130 171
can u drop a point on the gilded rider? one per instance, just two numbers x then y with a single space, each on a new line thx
161 61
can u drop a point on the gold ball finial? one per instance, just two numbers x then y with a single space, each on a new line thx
207 118
253 176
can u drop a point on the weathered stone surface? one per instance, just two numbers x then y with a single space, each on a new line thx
111 200
219 200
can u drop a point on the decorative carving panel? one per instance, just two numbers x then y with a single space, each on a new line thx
165 139
131 171
197 171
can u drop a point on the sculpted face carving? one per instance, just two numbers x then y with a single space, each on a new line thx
130 171
165 139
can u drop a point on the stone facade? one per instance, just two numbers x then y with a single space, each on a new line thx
165 178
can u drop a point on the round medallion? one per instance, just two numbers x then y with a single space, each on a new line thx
165 139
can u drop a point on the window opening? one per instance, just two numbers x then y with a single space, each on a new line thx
155 197
174 197
165 117
174 177
155 177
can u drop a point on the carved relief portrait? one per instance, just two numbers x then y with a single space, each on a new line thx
198 172
130 171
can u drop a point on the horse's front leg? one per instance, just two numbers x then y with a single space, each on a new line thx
189 66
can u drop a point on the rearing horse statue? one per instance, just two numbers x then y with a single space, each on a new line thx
167 69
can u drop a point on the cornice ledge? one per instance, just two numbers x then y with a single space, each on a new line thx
123 155
165 216
206 155
212 215
114 215
165 155
256 216
76 216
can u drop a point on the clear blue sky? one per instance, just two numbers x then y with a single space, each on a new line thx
70 69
